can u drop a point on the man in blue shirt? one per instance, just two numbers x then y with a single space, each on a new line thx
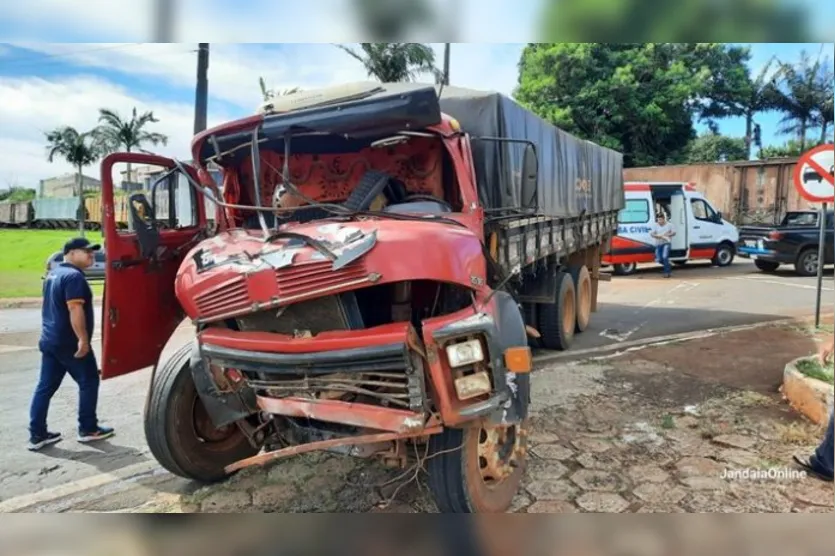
67 328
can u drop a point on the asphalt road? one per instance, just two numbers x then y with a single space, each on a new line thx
630 308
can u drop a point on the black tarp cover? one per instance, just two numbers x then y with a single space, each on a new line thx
574 175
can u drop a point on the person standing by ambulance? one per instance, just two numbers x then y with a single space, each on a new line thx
67 328
663 232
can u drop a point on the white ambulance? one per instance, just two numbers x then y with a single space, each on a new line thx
701 232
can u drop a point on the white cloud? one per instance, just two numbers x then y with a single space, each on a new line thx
234 69
31 106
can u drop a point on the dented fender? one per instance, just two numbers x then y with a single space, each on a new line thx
502 325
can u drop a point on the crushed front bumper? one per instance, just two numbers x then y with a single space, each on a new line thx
240 373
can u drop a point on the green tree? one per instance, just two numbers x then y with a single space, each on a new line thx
78 149
825 116
114 133
392 19
736 93
686 20
390 62
16 194
639 99
716 148
802 94
790 148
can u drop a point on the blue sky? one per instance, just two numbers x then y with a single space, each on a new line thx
44 85
769 121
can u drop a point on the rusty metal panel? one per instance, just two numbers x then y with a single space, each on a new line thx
746 192
347 413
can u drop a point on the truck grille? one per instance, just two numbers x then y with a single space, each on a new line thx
303 279
390 375
229 296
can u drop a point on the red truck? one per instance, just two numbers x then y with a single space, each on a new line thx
383 259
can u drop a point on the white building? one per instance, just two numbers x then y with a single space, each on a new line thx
65 185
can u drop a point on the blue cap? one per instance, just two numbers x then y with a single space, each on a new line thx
80 243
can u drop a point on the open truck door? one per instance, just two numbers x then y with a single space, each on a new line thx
680 244
141 310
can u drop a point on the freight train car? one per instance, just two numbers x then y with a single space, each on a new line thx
16 214
61 213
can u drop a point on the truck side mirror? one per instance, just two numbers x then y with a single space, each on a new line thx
530 173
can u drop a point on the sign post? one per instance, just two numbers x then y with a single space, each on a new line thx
814 178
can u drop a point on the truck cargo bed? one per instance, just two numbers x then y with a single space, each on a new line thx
521 241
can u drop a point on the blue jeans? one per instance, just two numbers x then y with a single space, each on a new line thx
84 371
822 460
662 255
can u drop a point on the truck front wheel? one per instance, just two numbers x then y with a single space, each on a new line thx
178 429
476 470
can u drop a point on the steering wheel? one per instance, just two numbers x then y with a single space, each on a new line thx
431 198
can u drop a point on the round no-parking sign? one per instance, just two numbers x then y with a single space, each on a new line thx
814 174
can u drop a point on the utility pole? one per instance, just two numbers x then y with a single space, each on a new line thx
163 21
446 63
201 96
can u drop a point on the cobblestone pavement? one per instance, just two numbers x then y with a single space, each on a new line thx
626 434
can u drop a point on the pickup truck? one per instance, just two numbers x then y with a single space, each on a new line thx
793 242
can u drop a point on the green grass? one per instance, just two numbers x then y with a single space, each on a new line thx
23 255
813 369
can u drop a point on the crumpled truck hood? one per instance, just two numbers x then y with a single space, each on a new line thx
237 272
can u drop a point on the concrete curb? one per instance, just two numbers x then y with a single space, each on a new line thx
632 345
809 396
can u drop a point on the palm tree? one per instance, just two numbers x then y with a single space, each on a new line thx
78 149
801 93
269 94
390 62
114 133
759 97
825 113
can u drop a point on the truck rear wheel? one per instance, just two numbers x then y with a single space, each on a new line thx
476 470
582 285
178 429
557 321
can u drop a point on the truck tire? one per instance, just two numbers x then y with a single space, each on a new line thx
557 320
178 429
475 469
766 266
807 262
582 286
625 269
724 255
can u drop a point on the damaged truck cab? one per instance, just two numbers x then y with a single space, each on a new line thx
353 294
